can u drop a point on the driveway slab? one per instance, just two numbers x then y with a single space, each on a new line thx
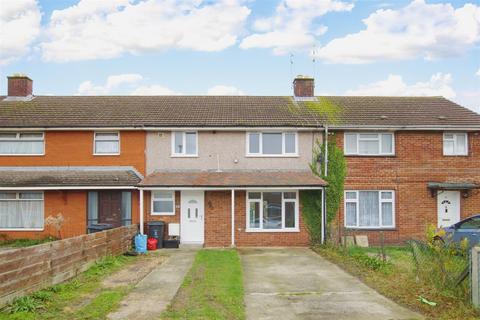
296 283
152 294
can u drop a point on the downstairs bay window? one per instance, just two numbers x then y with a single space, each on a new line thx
370 209
21 211
272 211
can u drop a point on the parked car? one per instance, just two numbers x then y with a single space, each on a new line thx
468 228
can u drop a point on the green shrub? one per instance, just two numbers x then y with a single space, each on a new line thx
25 304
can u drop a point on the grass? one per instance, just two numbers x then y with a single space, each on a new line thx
397 279
213 288
20 243
80 298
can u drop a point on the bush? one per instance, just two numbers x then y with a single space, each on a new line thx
25 304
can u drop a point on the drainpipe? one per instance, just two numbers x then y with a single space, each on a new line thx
233 218
324 198
141 211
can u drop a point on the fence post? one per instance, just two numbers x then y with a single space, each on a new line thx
475 276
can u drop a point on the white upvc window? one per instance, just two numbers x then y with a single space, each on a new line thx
21 211
369 143
370 209
106 143
22 143
272 144
272 211
163 203
184 143
455 144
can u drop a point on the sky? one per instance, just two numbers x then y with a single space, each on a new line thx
238 47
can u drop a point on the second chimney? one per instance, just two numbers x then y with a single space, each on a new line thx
304 86
20 86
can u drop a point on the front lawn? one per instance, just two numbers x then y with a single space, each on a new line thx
397 279
213 288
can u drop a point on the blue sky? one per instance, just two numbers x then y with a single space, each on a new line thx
389 47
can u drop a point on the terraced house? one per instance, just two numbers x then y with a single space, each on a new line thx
230 170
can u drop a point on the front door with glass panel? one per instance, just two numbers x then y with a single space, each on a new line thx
448 206
192 217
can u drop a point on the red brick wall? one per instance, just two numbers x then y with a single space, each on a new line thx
419 159
72 205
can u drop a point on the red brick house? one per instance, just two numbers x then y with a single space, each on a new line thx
224 171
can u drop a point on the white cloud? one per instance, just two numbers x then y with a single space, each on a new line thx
292 25
418 30
469 99
105 29
153 90
19 27
222 90
114 82
437 85
478 73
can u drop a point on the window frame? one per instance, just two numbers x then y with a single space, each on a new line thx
17 138
95 153
17 198
358 139
260 228
153 199
260 153
174 154
455 134
380 201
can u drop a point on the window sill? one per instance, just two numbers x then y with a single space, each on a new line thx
271 155
162 214
184 156
371 155
23 155
372 228
22 229
455 155
106 154
271 230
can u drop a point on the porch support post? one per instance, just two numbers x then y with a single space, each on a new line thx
324 216
233 218
140 211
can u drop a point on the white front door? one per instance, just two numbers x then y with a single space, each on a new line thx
448 206
192 217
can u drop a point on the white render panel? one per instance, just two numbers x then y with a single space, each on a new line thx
226 151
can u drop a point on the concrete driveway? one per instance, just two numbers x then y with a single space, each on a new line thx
296 283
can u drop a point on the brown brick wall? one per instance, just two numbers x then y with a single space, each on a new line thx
75 148
28 269
72 205
419 159
167 219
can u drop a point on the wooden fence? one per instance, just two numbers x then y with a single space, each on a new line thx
25 270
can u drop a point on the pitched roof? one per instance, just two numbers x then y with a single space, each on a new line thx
228 111
212 179
16 177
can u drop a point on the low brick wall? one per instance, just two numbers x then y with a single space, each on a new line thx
29 269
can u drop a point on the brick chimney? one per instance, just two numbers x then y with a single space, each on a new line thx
303 86
20 86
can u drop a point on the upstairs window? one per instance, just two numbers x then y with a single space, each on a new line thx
184 144
369 144
272 144
22 143
455 144
107 143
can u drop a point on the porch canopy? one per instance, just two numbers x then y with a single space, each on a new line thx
298 179
461 186
44 178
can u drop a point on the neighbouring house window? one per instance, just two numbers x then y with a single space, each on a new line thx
184 143
22 143
271 143
109 207
455 144
163 203
21 210
369 209
107 143
272 211
369 144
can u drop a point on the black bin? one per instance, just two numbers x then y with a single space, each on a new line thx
156 230
97 227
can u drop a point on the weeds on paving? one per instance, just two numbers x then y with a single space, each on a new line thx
212 289
397 277
80 298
